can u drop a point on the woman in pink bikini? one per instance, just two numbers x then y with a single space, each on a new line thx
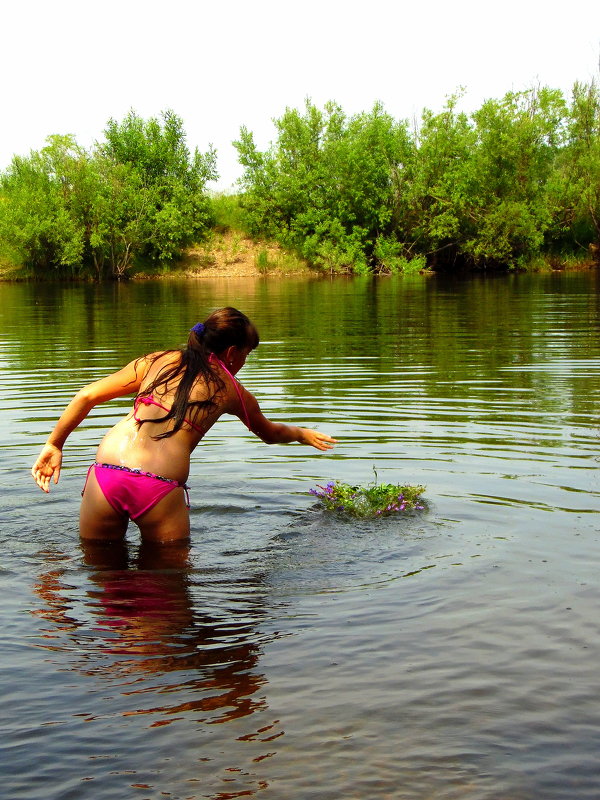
142 463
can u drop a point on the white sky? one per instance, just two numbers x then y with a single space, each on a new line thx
69 65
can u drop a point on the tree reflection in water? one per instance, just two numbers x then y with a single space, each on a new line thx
176 644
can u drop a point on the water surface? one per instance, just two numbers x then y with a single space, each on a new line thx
288 653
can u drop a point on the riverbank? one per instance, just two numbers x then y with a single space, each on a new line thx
224 254
232 254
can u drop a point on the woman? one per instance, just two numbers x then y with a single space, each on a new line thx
143 462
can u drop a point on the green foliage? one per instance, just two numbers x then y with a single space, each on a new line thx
39 214
517 178
138 194
575 189
517 182
262 260
227 212
369 501
389 254
324 188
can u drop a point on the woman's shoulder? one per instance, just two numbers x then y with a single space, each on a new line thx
152 365
161 359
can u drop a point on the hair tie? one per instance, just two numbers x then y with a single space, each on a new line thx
198 328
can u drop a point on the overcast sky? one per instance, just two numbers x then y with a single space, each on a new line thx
67 66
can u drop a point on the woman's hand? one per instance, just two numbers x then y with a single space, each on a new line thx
321 441
47 465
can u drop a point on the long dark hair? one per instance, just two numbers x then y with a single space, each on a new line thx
222 329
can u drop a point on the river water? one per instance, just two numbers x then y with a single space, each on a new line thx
290 652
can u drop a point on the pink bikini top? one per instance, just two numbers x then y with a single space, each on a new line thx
148 400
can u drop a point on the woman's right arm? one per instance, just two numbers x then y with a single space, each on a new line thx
125 381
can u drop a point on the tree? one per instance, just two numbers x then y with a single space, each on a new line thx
433 184
324 186
576 184
491 189
172 209
140 194
518 141
41 216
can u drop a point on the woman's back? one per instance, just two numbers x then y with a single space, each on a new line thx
138 440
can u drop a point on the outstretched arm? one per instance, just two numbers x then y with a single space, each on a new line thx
280 433
123 382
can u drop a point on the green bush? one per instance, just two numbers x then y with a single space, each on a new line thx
517 178
227 212
139 194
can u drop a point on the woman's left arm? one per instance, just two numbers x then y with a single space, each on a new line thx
279 432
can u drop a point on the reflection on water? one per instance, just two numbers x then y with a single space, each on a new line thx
156 640
140 620
292 653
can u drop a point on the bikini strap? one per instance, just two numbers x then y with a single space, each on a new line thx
148 400
238 388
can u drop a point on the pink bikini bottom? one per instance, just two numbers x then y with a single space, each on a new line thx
132 491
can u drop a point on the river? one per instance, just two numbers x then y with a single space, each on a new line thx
290 652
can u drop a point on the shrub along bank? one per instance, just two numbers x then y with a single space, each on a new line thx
514 184
139 195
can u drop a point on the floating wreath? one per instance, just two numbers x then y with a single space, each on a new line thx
369 501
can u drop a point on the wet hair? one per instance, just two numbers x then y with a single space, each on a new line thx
222 329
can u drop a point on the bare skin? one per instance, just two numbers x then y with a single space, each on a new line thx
131 445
